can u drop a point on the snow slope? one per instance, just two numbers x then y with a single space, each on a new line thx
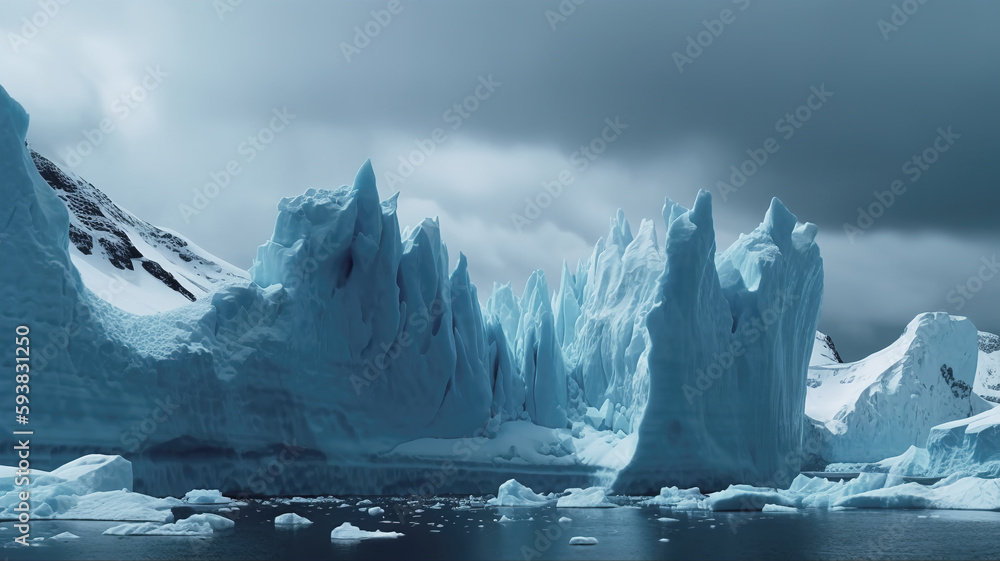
138 267
824 351
881 405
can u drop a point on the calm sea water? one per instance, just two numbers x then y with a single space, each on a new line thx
622 533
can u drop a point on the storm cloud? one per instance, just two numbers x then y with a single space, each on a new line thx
876 120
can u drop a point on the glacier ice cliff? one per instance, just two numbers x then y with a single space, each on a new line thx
352 361
729 342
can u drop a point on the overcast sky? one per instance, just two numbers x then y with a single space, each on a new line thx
186 83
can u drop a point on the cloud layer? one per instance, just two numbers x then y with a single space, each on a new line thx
876 115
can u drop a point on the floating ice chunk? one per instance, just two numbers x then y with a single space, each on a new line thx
778 508
111 505
504 518
967 493
154 529
364 502
746 497
664 540
205 497
65 536
582 540
196 525
680 499
375 511
592 497
214 520
666 519
93 487
970 446
512 493
348 531
565 520
291 519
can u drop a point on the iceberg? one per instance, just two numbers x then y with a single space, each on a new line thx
205 497
965 446
748 497
968 493
868 490
680 499
593 497
736 329
93 487
778 509
348 531
655 361
203 525
290 519
512 493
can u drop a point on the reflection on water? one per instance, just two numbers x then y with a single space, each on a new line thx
629 532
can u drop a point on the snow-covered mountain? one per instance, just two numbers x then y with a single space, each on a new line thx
988 370
824 351
134 265
881 405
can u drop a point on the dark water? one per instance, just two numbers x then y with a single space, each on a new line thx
623 533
